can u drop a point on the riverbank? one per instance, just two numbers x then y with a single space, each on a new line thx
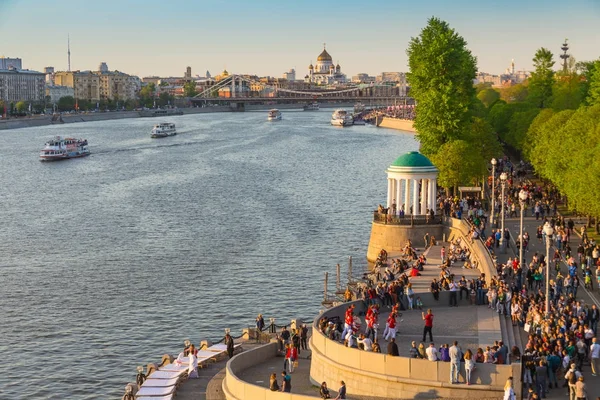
395 123
44 120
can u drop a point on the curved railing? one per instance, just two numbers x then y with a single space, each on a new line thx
408 220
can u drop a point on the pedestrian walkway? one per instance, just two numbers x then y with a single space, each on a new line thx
530 225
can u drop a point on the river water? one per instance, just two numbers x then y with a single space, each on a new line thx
110 261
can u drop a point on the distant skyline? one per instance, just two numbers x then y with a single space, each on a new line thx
265 37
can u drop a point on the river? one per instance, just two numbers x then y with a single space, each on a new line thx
112 260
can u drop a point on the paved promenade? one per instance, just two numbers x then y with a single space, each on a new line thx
530 226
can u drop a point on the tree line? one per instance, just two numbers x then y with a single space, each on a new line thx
552 118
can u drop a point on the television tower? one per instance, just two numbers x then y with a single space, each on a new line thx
68 53
565 56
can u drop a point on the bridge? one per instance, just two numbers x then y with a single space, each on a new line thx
238 90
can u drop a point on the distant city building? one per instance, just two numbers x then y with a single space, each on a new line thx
509 78
398 77
99 85
290 75
10 63
54 92
324 72
22 85
49 72
103 68
363 78
208 75
188 74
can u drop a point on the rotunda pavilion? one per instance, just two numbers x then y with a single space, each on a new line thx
412 182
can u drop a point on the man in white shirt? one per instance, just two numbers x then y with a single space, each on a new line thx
432 352
595 356
366 342
455 356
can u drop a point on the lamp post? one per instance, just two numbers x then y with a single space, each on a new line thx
523 195
548 231
494 162
503 178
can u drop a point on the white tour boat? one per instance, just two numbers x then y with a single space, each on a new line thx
341 118
64 148
274 115
163 130
311 107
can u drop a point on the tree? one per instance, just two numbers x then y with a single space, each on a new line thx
455 162
488 97
519 125
189 89
515 93
21 107
66 103
483 145
594 85
568 91
441 76
542 79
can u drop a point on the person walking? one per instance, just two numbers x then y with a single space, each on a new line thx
580 389
541 384
286 382
455 356
428 318
260 323
595 356
391 321
304 337
509 392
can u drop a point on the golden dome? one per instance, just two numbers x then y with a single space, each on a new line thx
225 73
324 56
311 66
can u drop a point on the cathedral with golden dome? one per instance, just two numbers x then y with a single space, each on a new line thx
324 72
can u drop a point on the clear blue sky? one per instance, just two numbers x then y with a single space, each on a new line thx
162 37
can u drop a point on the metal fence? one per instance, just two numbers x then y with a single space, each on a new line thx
407 219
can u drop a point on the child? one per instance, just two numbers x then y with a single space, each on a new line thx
419 303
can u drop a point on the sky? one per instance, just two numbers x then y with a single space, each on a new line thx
265 37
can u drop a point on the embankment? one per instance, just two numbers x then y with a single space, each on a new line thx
395 123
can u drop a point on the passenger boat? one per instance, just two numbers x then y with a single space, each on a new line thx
359 107
163 130
274 115
311 107
341 118
64 148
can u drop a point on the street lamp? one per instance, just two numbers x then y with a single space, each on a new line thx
548 231
523 195
503 178
494 162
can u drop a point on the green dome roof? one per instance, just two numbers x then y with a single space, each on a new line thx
412 159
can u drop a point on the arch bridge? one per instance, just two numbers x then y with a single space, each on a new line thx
242 89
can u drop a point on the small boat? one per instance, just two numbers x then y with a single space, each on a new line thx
163 129
359 107
341 118
358 121
64 148
311 107
274 115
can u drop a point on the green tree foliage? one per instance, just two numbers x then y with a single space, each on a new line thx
483 145
488 97
21 107
568 91
501 114
515 93
593 95
66 103
189 89
455 162
542 79
441 76
519 125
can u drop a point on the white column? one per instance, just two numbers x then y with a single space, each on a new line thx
398 195
424 202
390 192
415 197
430 199
407 196
434 194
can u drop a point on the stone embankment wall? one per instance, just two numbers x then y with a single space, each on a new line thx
236 389
395 123
393 238
380 375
